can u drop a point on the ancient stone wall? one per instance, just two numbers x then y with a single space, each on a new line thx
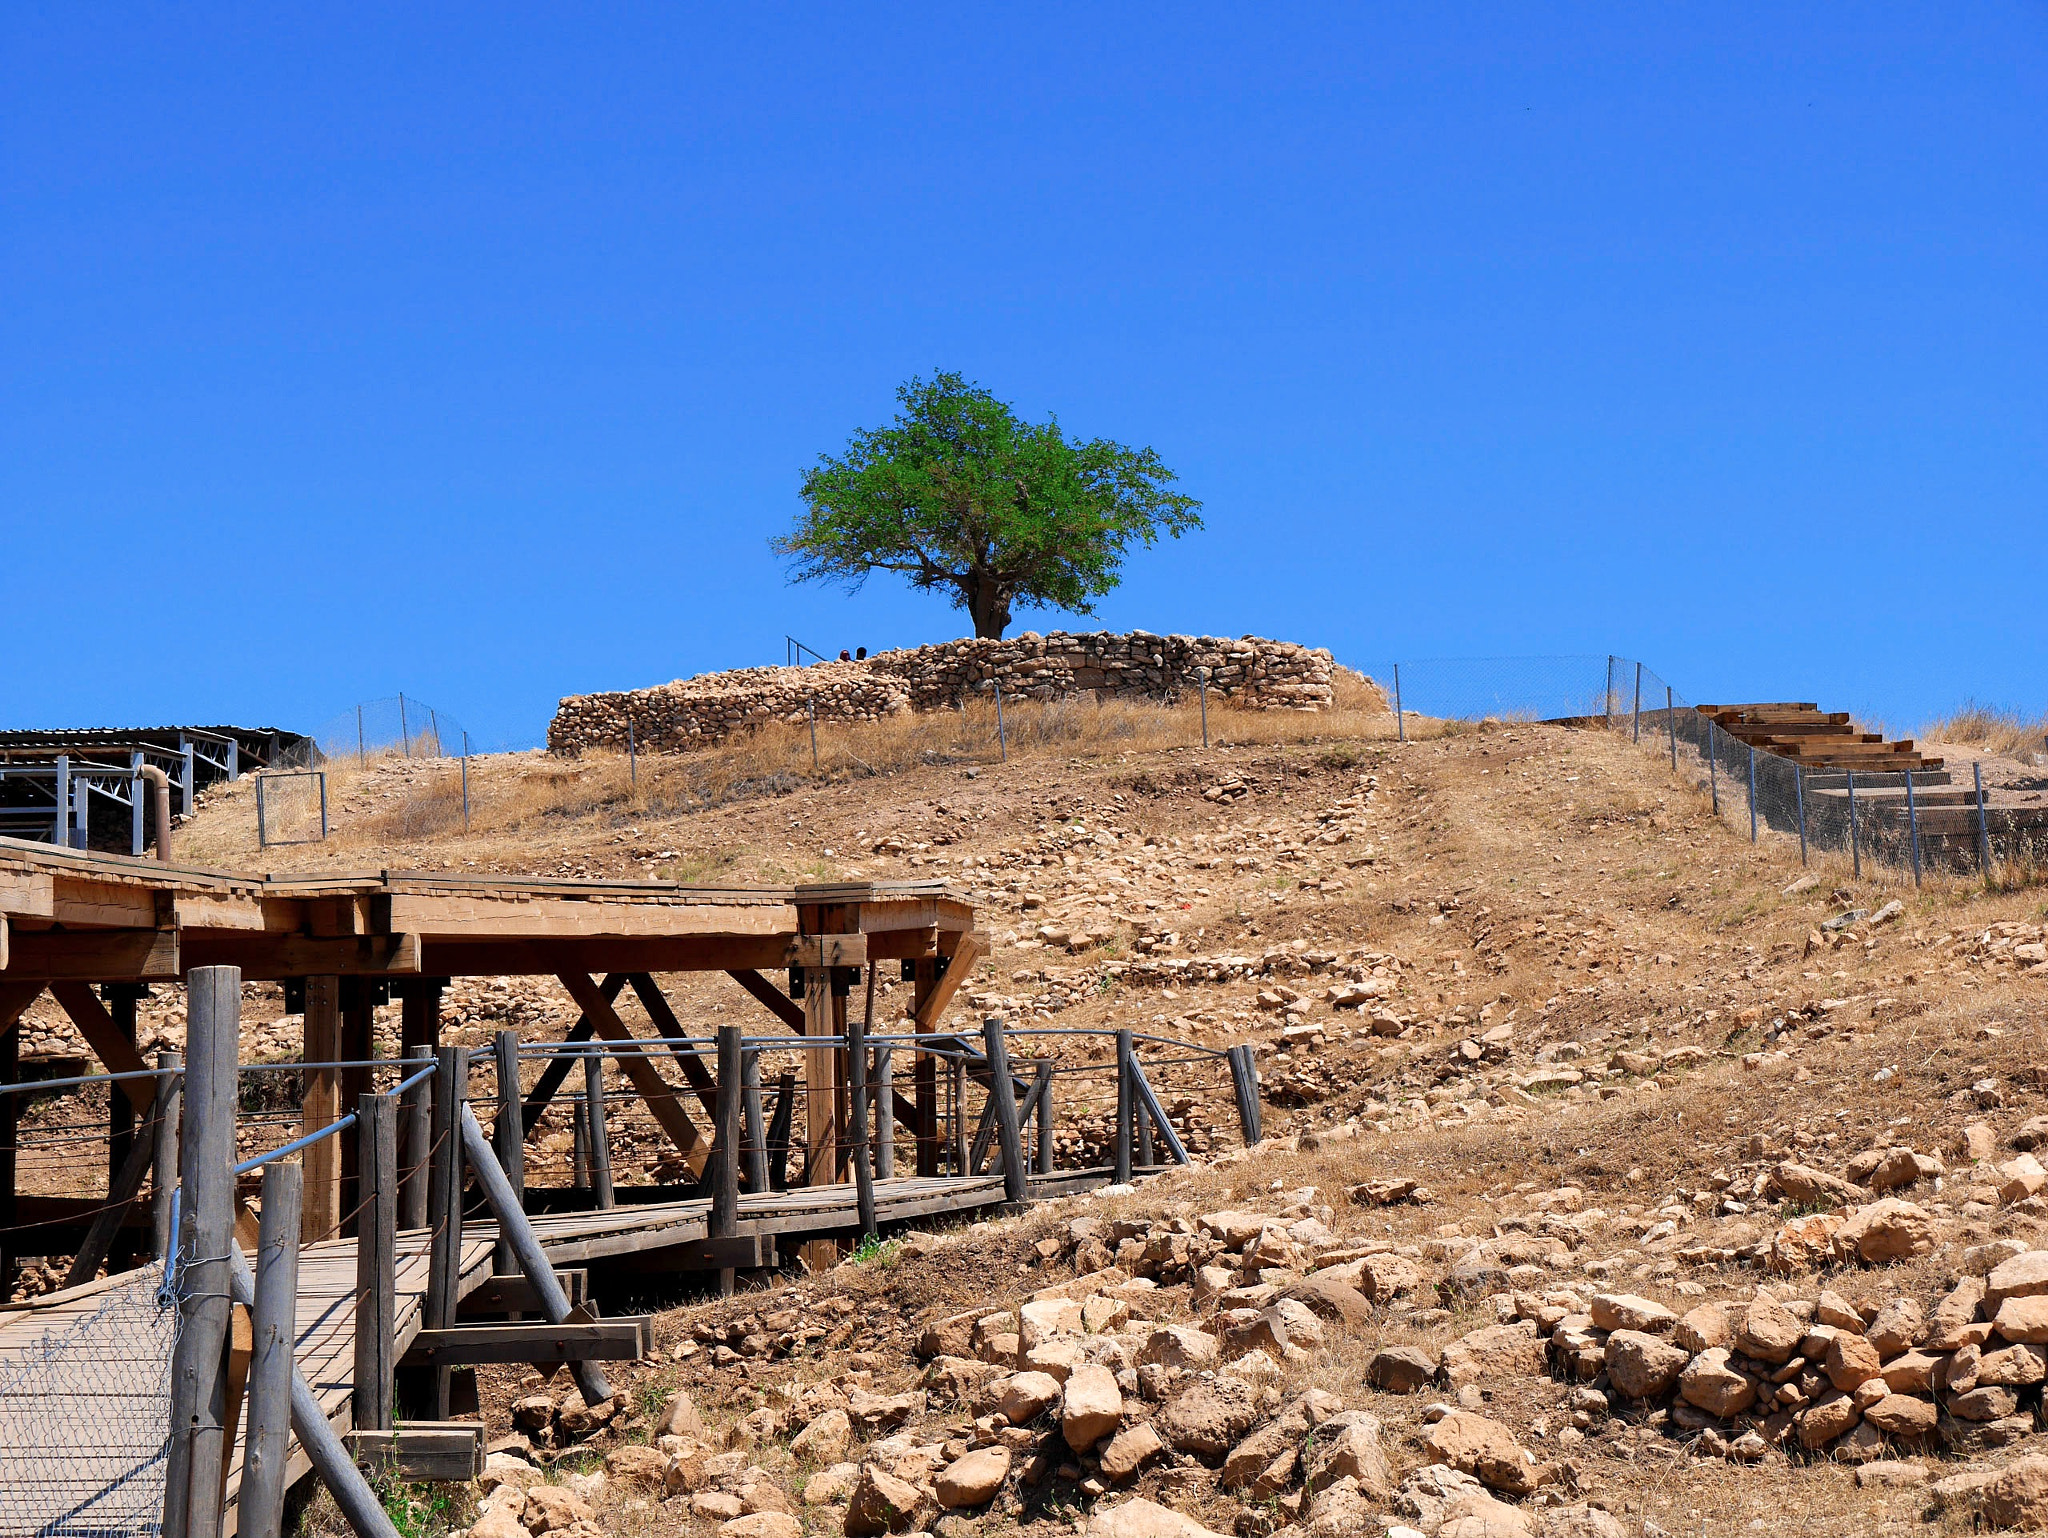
695 711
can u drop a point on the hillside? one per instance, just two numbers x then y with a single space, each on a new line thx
1536 1033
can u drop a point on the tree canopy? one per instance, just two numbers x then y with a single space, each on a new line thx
960 494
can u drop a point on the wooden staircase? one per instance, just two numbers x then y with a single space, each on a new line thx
1816 739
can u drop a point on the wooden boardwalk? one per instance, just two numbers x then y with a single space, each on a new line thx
68 1391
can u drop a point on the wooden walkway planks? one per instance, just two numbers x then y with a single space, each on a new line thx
326 1309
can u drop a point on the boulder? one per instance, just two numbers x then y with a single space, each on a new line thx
1703 1328
826 1439
1497 1351
1830 1416
1902 1415
1483 1448
1711 1384
880 1503
1887 1230
1352 1451
2024 1276
1912 1372
973 1480
1769 1331
1988 1403
830 1486
2018 1497
1385 1277
1401 1369
1208 1417
1025 1396
1481 1516
553 1509
1330 1301
762 1524
680 1419
1807 1186
1140 1518
1851 1360
646 1466
1180 1347
1643 1366
1043 1318
1129 1450
1625 1311
1093 1407
2023 1319
1580 1522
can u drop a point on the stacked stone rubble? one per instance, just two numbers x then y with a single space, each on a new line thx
695 712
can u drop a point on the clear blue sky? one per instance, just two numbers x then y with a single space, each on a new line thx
478 351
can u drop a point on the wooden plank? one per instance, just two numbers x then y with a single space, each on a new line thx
550 956
655 1092
743 1252
516 1295
320 1106
436 1452
132 955
108 1041
537 916
604 1340
972 947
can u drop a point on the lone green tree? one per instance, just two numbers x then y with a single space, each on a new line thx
959 494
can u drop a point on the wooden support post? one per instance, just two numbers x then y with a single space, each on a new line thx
121 1000
1244 1084
1123 1108
779 1126
579 1143
121 1193
725 1144
957 1141
1143 1154
1016 1177
885 1112
15 998
597 1128
863 1163
1041 1093
266 1455
416 1119
540 1272
193 1490
924 1073
359 1505
509 1133
756 1136
1148 1100
820 1079
164 1157
444 1268
376 1263
320 1106
358 1045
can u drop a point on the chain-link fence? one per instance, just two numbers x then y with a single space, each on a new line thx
291 808
401 725
1925 820
85 1412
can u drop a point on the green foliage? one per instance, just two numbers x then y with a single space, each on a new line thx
418 1511
875 1250
959 494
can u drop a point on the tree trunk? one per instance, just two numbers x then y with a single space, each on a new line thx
988 602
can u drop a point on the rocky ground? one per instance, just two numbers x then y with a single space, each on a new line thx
1621 1177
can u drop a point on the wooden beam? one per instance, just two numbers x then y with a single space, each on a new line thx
268 958
820 1079
320 1106
107 1040
516 1295
603 1340
772 998
639 1067
94 956
425 1452
544 956
974 944
666 1024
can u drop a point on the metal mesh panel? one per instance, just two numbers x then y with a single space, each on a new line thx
291 808
85 1409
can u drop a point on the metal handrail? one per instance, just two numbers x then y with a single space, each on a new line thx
90 1078
296 1144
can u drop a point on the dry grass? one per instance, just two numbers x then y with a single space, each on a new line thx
1996 731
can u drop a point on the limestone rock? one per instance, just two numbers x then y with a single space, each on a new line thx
1851 1360
1902 1415
1643 1366
1625 1311
1138 1518
826 1439
1025 1396
1093 1407
680 1419
1580 1522
974 1479
1353 1452
1887 1230
1703 1328
637 1466
1497 1351
1483 1448
1208 1417
1178 1346
1711 1384
762 1524
2018 1497
1129 1450
1401 1369
1769 1331
552 1509
880 1503
2023 1319
2024 1276
1330 1301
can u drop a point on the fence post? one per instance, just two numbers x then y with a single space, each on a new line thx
1041 1092
1400 720
404 735
323 799
1713 768
508 1134
1244 1083
1009 1136
885 1113
376 1261
632 755
1636 728
1144 1152
1752 794
579 1142
170 1090
600 1129
362 755
1124 1102
262 831
1002 741
750 1110
193 1474
1799 791
444 1267
1855 844
857 1096
1913 826
416 1112
1202 680
465 785
811 710
1983 822
724 1169
1671 725
1607 698
260 1506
